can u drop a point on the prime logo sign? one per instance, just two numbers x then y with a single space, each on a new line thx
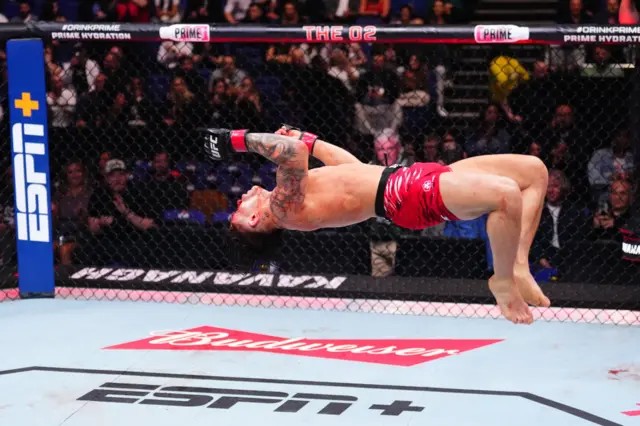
397 352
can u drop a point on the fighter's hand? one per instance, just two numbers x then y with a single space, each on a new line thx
219 144
308 138
288 131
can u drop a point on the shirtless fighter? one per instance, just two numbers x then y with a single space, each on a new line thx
511 188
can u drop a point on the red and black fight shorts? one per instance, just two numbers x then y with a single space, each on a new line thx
410 196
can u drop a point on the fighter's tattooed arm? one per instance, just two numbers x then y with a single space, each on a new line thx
292 157
277 148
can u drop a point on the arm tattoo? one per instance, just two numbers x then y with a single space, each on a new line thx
291 178
279 149
288 196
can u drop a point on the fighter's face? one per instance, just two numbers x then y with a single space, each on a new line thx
248 214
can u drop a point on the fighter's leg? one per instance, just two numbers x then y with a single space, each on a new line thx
532 177
469 195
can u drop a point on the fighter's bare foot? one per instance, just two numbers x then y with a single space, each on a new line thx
510 301
529 288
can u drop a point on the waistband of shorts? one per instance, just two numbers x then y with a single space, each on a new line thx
382 185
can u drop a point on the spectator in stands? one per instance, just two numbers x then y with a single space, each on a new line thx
52 66
382 75
81 72
135 11
413 84
342 69
24 13
562 222
70 209
525 100
51 12
609 162
101 180
181 104
208 55
405 17
7 218
567 57
490 137
236 10
89 11
357 58
118 113
271 9
562 130
380 8
115 221
141 111
168 11
171 53
61 103
431 149
279 54
248 104
290 15
376 112
221 105
163 189
609 15
340 11
383 244
205 11
116 76
577 14
535 150
90 110
451 151
255 15
603 64
612 215
194 80
438 14
229 72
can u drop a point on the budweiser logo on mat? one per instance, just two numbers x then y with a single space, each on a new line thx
401 352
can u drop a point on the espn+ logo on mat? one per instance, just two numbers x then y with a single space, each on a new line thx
31 195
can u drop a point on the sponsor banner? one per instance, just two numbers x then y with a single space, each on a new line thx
186 32
452 34
575 294
30 154
155 276
396 352
91 32
631 247
500 33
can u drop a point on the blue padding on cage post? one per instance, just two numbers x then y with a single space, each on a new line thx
31 177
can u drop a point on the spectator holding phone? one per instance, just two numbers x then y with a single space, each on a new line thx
612 214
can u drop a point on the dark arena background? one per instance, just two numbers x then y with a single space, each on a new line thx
101 103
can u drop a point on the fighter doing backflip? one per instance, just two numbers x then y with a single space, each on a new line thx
509 187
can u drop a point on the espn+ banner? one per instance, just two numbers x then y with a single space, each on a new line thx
29 148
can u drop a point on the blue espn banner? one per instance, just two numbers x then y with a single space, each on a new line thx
31 177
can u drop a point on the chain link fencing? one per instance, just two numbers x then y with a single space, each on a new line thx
122 122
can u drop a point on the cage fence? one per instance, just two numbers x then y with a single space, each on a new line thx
124 102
